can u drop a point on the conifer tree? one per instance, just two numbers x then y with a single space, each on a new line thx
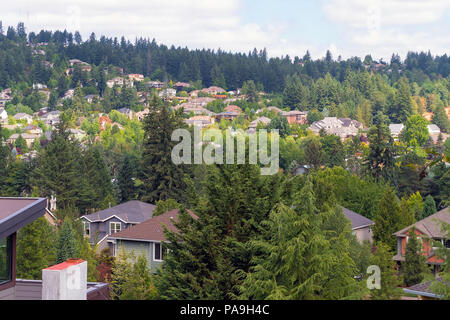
66 245
125 179
162 178
300 257
414 267
387 219
389 280
35 249
429 207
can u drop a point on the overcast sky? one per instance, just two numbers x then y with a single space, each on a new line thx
345 27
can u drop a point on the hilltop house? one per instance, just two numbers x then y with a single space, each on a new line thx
146 238
201 121
298 117
51 118
23 116
167 93
233 108
213 90
136 77
29 138
361 226
342 127
227 116
98 226
254 124
427 229
3 115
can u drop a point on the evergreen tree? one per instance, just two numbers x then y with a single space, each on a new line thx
387 219
389 280
414 267
127 173
380 160
440 119
162 178
402 108
35 249
299 259
66 247
429 207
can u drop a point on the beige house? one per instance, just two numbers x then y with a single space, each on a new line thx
361 226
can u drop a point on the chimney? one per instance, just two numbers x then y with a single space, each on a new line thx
65 281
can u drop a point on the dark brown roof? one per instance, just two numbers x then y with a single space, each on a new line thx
130 212
152 229
16 213
430 226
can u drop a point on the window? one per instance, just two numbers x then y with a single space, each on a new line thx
114 227
5 259
157 251
447 243
86 228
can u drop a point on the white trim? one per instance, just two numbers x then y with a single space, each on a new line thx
120 229
103 239
160 251
84 217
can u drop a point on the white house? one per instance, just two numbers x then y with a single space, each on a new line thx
3 115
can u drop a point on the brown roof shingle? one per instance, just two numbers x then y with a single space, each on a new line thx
430 226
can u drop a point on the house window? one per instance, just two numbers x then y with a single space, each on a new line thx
114 227
157 251
5 259
87 228
447 243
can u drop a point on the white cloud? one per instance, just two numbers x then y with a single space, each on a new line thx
384 27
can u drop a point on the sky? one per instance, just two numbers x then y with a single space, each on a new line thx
285 27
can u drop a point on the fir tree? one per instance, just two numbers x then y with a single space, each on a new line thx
387 219
125 179
429 207
66 245
35 249
162 178
414 267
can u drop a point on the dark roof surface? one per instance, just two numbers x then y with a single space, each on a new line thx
16 213
424 288
152 229
430 226
131 212
357 220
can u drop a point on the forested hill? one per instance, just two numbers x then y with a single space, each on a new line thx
157 61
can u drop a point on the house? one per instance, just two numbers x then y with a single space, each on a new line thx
396 129
233 108
23 116
426 229
136 77
275 109
201 121
167 93
32 129
69 94
29 138
90 97
298 117
16 213
213 90
127 112
39 86
3 115
424 291
181 85
51 118
98 226
103 121
118 81
146 238
142 114
78 134
361 226
189 108
263 120
343 128
227 116
156 84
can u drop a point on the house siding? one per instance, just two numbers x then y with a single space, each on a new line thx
139 247
8 294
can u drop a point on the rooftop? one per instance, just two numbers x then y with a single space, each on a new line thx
429 226
130 212
357 220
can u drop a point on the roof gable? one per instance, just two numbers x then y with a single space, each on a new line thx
129 212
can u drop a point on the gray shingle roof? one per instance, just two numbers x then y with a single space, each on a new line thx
131 212
357 220
430 226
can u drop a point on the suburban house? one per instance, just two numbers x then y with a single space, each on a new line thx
275 109
28 137
233 108
127 112
51 118
298 117
146 238
343 127
156 84
16 213
167 93
3 115
32 129
424 291
103 121
5 96
77 134
213 90
90 97
201 121
254 124
396 129
427 229
136 77
142 114
23 116
181 85
98 226
227 116
361 226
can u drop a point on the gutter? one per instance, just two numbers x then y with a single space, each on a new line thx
421 293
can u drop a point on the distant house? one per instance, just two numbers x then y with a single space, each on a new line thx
396 129
227 116
213 90
181 85
233 108
90 97
136 77
361 226
103 121
33 130
426 229
23 116
39 86
29 138
424 291
98 226
78 134
275 109
167 93
51 118
263 120
3 115
298 117
69 94
142 114
127 112
343 127
146 238
119 81
156 84
201 121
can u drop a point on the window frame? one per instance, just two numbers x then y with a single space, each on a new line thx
114 223
160 252
88 228
10 258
